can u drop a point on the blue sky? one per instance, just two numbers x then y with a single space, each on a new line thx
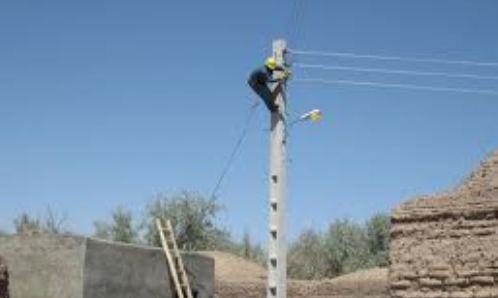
109 102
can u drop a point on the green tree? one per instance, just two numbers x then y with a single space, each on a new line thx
52 223
193 218
26 224
246 245
378 227
306 256
257 254
346 248
120 229
248 250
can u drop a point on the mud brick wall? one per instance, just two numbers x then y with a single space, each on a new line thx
447 245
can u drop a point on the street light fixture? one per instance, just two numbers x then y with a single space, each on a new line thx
313 115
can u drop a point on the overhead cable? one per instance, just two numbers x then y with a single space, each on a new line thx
393 58
398 86
397 71
300 8
235 149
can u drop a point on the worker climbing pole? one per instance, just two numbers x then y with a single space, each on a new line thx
269 82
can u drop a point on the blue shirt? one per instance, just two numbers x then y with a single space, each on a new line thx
262 75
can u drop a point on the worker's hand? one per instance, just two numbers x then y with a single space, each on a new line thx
287 74
283 75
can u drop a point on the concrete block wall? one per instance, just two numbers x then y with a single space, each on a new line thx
447 245
42 267
49 266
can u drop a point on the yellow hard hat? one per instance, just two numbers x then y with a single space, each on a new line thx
271 63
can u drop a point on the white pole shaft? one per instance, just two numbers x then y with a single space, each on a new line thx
277 248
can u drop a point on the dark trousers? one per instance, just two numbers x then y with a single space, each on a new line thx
266 94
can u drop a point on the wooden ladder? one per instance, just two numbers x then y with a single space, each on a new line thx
175 262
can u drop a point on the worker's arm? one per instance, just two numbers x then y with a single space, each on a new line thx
273 76
282 74
280 68
271 79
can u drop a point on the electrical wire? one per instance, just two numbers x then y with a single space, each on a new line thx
392 58
301 6
398 86
236 149
292 20
397 71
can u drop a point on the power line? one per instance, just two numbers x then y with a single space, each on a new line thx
293 20
392 58
300 7
397 71
398 86
235 149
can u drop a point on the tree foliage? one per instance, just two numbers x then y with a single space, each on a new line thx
193 218
247 249
378 238
344 247
121 228
52 223
26 224
306 256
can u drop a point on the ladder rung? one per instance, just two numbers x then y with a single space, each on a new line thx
175 262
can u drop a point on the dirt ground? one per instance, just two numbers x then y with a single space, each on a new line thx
236 277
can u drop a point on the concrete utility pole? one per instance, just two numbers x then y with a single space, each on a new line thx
277 249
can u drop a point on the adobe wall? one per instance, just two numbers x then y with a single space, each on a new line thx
48 266
447 245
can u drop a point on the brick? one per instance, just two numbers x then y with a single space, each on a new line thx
430 282
482 280
468 273
486 293
461 294
460 282
440 274
401 284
